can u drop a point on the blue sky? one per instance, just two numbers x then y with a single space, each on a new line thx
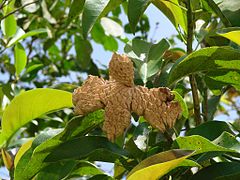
165 29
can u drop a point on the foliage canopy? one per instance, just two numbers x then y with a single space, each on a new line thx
45 43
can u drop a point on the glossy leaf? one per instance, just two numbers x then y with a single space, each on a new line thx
93 10
205 60
183 104
83 50
107 41
218 11
232 34
24 168
56 171
147 56
212 106
158 165
29 105
77 127
227 140
20 35
75 9
20 57
199 144
210 130
21 151
156 51
231 9
221 171
7 159
136 9
9 24
96 148
85 168
223 78
111 27
173 12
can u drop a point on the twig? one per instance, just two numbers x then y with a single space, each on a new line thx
3 3
16 10
192 79
205 104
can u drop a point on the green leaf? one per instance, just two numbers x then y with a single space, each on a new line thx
75 9
182 103
220 171
231 9
136 9
212 103
173 12
205 60
218 11
85 168
32 162
29 105
24 168
199 144
80 126
232 34
227 140
147 56
93 10
83 50
224 77
20 57
210 130
95 148
138 49
156 51
22 35
9 24
101 176
111 27
56 171
22 150
215 86
158 165
99 36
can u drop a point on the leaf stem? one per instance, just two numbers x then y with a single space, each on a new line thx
16 10
193 83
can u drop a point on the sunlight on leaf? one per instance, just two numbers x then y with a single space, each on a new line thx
199 144
21 35
174 12
21 151
232 34
30 105
158 165
206 60
20 57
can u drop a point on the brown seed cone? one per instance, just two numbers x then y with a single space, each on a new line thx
120 97
121 69
156 106
87 98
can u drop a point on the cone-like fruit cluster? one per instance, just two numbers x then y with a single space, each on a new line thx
120 97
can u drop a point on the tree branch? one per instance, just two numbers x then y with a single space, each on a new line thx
16 10
193 83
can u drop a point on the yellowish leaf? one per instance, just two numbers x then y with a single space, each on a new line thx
234 36
158 165
21 151
7 159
